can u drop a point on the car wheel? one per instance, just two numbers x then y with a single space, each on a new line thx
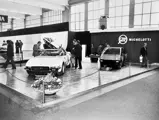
120 64
62 70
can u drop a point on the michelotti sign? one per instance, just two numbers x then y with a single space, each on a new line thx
3 18
123 39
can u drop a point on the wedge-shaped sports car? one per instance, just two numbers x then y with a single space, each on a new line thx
50 60
113 57
53 59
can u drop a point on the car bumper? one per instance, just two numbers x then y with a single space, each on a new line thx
40 70
109 63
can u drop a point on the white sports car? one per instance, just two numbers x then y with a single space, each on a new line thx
50 60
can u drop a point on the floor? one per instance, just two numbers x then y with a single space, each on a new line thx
74 80
136 101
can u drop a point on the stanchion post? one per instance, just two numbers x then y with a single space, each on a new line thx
43 91
129 69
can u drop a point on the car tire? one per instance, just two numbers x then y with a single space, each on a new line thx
62 70
120 64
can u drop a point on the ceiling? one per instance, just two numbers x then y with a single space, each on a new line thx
19 8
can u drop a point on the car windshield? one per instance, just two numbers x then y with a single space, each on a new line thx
112 51
54 52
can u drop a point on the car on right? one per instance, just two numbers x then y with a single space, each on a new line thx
113 57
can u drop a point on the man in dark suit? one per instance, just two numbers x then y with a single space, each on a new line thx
10 55
143 53
77 53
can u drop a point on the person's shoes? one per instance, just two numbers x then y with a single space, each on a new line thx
80 68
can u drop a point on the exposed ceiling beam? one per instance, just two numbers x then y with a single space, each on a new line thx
19 8
12 15
39 3
58 2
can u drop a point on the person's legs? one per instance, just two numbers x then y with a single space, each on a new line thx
13 64
6 63
76 65
79 61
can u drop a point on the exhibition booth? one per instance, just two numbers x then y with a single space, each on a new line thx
77 85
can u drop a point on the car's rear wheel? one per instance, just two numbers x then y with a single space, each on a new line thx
120 64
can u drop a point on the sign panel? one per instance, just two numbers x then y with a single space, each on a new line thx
3 18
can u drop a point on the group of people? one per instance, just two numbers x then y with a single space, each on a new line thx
18 46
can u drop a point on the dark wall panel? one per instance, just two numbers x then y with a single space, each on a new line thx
132 47
35 30
84 37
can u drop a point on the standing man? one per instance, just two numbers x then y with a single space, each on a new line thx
20 45
143 53
77 53
36 49
17 45
10 55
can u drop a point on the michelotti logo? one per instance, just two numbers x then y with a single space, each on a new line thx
123 39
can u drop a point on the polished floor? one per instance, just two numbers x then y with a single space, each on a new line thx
138 100
74 81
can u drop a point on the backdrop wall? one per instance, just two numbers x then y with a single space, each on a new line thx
132 41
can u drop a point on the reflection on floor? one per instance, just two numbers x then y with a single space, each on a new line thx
27 54
74 80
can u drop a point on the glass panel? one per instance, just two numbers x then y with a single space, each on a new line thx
111 12
81 8
96 5
118 2
111 22
146 7
138 1
138 8
155 18
137 19
90 15
72 17
72 26
146 19
82 25
77 26
146 0
96 24
90 24
102 4
101 12
154 26
81 16
125 21
118 11
77 17
118 21
126 2
155 6
112 3
96 14
137 26
125 10
90 6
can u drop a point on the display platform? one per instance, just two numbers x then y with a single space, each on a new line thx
75 81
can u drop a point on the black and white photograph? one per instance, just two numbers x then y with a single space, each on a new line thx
79 59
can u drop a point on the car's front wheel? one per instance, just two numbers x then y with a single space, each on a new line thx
62 71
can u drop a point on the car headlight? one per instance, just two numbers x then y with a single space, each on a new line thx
117 61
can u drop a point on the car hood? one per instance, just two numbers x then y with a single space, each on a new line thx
49 61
